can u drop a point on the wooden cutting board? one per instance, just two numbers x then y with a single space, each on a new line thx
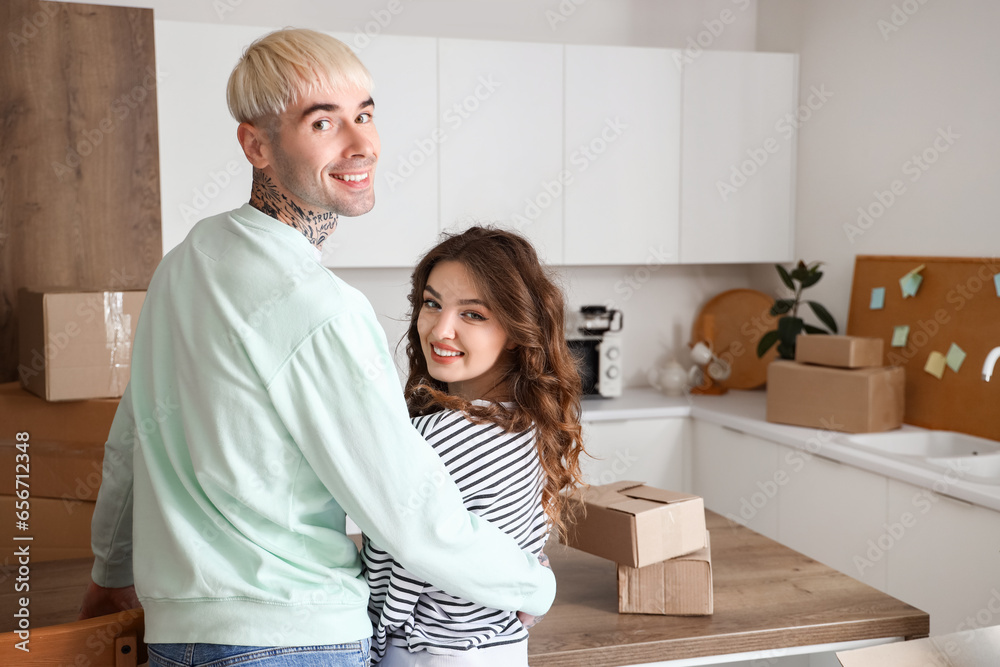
732 323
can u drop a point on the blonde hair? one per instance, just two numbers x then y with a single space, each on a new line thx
280 66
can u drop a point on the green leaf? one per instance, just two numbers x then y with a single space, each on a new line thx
800 273
786 351
788 329
785 278
810 329
782 306
811 279
824 315
767 341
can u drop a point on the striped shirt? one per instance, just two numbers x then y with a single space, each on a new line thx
501 479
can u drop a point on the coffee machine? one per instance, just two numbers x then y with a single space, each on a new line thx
594 338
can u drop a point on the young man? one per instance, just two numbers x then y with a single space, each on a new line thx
263 406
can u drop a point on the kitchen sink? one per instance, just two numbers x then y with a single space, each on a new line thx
925 443
985 469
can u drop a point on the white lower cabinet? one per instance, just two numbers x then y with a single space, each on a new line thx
654 451
834 513
943 557
735 473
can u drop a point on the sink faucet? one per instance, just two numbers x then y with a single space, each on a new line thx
991 361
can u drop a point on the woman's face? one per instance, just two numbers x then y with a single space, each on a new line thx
461 340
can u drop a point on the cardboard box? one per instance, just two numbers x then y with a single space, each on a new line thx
634 524
84 422
970 648
70 471
76 345
59 528
680 586
859 400
839 351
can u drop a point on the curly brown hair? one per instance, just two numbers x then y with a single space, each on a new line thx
541 381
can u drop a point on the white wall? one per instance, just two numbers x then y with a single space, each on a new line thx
894 92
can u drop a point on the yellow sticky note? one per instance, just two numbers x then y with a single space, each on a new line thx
935 364
955 357
899 335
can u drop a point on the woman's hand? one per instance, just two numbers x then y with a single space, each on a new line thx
527 620
100 601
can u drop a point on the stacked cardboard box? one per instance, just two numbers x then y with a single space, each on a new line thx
63 463
657 538
836 383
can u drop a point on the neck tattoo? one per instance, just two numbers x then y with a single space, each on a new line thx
265 196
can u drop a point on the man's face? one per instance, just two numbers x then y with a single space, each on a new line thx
324 151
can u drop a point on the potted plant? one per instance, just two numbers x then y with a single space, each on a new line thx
790 324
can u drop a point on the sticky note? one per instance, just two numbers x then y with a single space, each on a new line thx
910 283
996 282
935 364
955 357
899 335
878 298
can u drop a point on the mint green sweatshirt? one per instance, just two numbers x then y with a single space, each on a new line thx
264 405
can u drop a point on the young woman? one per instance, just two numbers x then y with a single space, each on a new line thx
493 388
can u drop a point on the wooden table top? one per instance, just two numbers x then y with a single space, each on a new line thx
767 596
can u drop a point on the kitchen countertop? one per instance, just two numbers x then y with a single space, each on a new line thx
768 598
745 411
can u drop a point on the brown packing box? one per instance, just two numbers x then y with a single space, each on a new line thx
839 351
680 586
76 345
634 524
72 421
59 528
57 469
970 648
860 400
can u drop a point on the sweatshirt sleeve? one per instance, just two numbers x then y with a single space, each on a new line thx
339 397
111 528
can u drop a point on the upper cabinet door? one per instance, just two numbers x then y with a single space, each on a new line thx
501 124
738 157
404 221
622 152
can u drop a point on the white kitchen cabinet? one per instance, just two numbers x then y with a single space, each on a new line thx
943 557
738 157
738 476
622 154
404 222
654 451
830 511
501 119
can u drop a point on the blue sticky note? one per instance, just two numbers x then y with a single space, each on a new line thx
899 335
910 283
996 282
878 298
955 357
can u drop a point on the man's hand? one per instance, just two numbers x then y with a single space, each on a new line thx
100 601
527 620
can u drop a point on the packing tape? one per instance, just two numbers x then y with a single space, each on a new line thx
118 327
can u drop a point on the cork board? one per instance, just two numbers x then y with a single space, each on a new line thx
956 302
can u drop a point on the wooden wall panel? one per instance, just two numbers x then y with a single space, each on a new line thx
957 303
79 159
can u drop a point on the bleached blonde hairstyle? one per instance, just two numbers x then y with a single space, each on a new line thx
283 65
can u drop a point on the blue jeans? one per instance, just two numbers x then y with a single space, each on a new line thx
353 654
